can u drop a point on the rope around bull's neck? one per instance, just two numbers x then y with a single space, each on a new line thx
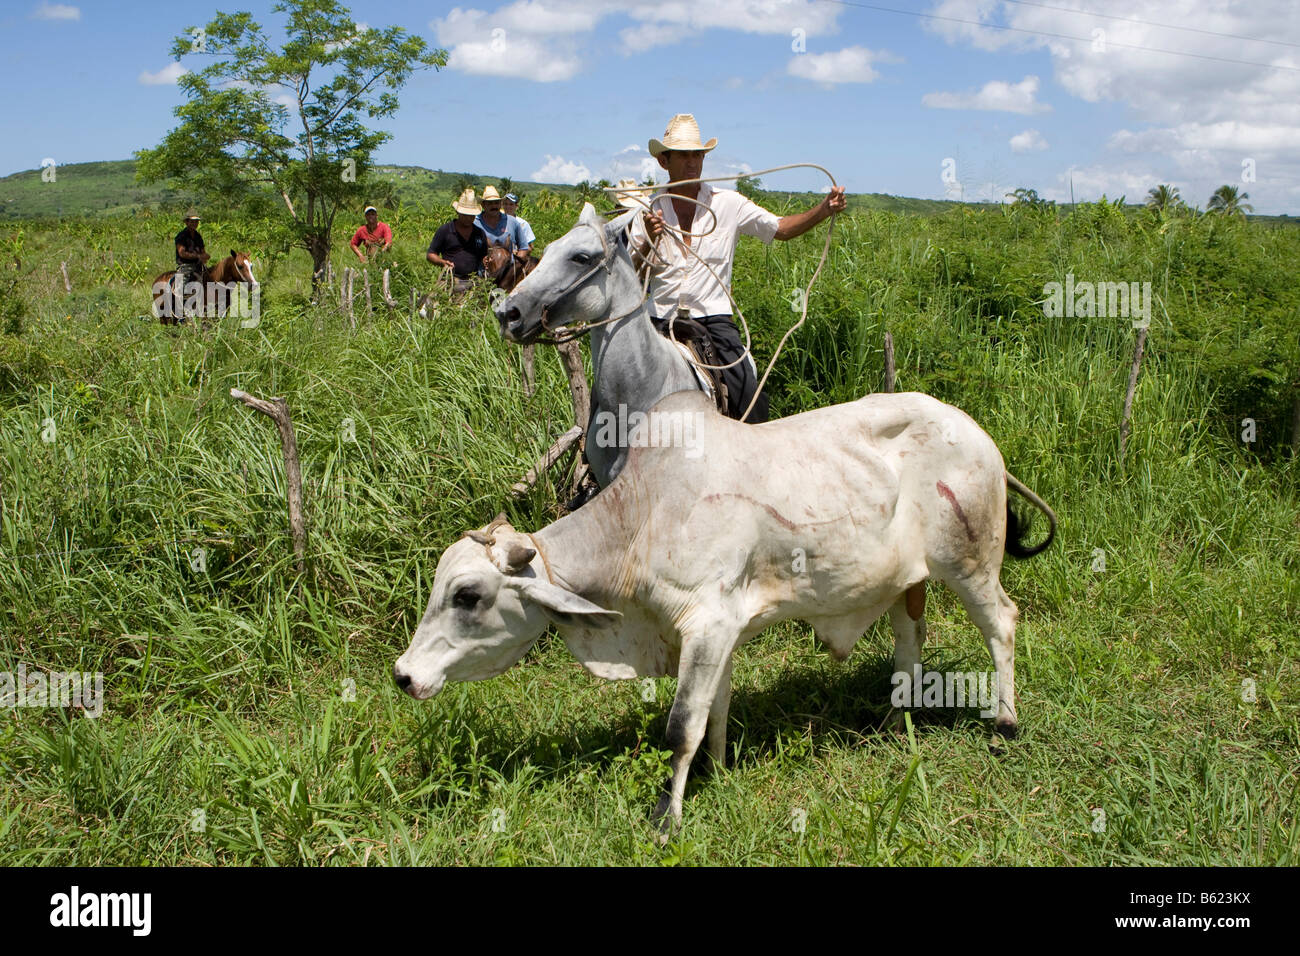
803 315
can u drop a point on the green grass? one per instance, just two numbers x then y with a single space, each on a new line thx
227 702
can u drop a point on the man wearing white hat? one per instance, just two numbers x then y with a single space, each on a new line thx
460 245
680 284
377 236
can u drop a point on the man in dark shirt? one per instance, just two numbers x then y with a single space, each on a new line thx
190 255
460 245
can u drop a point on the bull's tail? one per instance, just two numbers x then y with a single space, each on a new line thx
1016 529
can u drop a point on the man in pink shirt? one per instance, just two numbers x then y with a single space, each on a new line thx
374 234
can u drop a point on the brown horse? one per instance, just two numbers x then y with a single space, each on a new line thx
170 304
506 270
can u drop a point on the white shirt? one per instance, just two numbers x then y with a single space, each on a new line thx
684 279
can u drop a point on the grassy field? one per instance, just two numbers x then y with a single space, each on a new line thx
250 716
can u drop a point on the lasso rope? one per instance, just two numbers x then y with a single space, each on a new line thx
680 233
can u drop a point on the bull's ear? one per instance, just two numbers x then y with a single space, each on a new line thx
564 607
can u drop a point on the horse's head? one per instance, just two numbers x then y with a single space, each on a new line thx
571 285
496 263
238 267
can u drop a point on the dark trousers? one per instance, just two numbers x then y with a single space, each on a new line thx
740 378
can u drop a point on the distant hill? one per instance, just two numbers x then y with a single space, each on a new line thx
109 189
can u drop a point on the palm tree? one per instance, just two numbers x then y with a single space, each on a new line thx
1228 202
505 185
1164 198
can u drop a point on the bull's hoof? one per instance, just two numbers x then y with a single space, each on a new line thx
1003 731
664 820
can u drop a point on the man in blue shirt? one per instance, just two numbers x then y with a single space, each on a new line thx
502 229
511 208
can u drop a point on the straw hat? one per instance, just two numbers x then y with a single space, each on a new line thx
467 204
192 214
682 133
630 196
490 194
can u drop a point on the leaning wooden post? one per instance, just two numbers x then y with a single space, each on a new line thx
67 283
571 359
552 455
278 409
889 362
388 296
365 281
1132 387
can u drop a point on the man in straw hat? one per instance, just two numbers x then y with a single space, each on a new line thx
191 255
460 244
377 236
680 284
502 228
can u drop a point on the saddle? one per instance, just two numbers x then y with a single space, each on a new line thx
694 338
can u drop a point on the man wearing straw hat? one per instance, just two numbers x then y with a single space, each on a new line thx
460 244
191 255
681 285
502 228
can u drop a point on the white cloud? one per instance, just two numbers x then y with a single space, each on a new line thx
1028 141
557 169
1194 119
850 65
167 76
548 40
56 11
994 95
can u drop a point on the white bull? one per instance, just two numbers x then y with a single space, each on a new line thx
833 516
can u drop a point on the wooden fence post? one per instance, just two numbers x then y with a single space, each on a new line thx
1132 387
67 283
889 362
278 410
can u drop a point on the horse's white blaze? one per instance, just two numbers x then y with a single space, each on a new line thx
248 264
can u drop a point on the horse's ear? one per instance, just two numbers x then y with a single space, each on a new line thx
615 227
234 254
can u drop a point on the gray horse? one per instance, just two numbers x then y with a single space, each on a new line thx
586 277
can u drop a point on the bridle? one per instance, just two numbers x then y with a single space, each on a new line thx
561 335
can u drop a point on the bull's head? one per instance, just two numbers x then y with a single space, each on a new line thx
571 285
491 601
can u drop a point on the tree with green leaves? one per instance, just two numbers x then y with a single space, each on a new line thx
1029 199
285 127
1228 201
748 186
1164 198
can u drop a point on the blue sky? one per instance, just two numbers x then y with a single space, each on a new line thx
1014 93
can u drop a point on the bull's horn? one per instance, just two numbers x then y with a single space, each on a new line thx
480 537
518 557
